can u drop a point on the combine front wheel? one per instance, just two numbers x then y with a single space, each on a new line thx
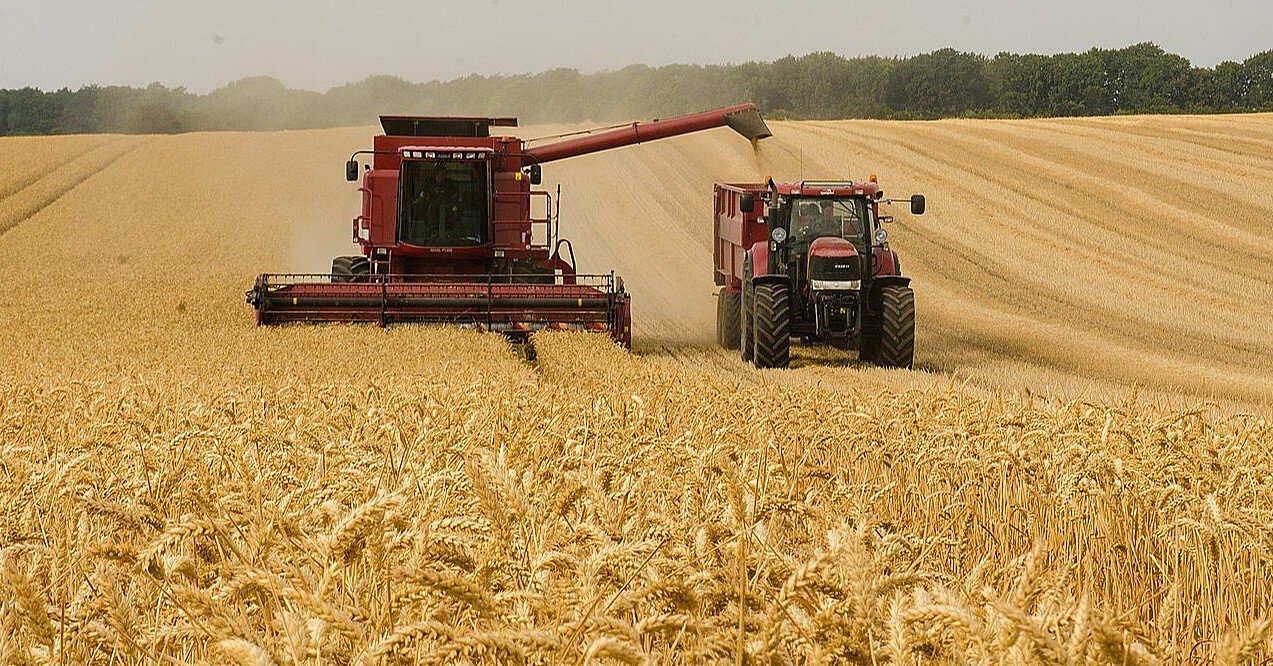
727 318
773 326
350 269
896 346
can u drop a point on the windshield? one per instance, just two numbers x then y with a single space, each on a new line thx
813 218
442 203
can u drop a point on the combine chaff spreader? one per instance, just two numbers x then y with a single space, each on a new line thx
451 232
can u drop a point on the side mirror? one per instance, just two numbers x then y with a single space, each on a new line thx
536 174
747 203
351 170
917 204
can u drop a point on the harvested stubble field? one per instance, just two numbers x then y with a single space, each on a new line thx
180 487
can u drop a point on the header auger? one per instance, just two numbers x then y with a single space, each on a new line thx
447 233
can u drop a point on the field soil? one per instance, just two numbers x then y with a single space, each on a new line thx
1077 468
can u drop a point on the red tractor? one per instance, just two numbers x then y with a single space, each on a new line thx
447 233
812 261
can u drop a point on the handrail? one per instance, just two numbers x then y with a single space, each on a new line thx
531 220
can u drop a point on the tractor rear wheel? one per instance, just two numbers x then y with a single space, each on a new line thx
773 326
746 321
896 345
350 269
727 318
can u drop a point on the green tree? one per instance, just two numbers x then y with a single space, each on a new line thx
1257 82
942 83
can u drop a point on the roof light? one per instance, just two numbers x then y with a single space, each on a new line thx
430 155
874 179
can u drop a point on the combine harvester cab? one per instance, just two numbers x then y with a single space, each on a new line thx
451 232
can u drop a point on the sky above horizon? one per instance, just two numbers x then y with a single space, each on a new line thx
319 44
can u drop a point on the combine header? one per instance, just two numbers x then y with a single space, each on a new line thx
447 233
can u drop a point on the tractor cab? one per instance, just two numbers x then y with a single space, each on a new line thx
812 218
827 228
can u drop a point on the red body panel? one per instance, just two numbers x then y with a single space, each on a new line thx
884 261
735 232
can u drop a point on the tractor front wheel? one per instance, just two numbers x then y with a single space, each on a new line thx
728 317
773 326
747 321
896 345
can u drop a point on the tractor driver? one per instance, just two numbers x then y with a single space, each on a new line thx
438 199
813 223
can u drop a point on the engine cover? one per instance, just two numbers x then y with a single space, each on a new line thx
834 264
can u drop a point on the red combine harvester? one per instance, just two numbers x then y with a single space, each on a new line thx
813 262
447 233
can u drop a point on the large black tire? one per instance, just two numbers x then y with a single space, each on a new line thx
897 327
773 326
728 321
746 321
350 269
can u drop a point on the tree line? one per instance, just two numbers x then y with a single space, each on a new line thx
1142 78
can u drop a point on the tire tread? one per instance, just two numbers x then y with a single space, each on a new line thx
772 326
896 347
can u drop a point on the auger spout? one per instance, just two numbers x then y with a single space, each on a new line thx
744 119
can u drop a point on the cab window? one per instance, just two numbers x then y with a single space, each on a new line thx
443 203
813 218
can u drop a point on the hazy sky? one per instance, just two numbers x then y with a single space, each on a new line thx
322 43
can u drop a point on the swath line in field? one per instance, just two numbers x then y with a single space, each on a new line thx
36 174
45 191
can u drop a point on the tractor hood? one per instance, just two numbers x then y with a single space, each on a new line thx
834 264
832 246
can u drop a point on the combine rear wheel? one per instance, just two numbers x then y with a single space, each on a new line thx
896 345
746 321
773 326
728 304
350 269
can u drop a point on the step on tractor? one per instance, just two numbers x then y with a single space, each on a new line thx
451 232
810 260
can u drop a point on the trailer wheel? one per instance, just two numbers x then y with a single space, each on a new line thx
773 326
746 320
350 269
896 346
728 317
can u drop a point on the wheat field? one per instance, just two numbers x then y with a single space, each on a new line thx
1078 471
